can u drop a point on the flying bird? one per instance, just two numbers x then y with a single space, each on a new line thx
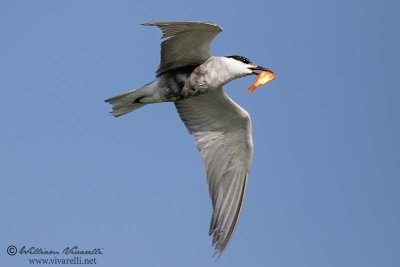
192 78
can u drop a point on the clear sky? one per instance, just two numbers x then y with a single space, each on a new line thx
324 184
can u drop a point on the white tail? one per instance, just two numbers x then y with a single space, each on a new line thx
129 101
126 102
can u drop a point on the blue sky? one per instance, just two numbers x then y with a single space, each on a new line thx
323 188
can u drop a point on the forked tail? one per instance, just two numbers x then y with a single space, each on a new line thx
127 102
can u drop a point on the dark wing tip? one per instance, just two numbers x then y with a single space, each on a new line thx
147 24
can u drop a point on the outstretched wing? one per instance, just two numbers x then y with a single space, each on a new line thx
222 131
186 43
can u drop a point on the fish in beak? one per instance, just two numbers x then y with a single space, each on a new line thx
264 77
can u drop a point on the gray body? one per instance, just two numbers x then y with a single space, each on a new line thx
174 87
189 81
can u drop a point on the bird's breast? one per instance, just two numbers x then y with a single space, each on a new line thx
182 83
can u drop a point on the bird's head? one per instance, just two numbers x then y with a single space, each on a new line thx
239 66
242 66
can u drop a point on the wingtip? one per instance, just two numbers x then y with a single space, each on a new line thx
218 244
217 254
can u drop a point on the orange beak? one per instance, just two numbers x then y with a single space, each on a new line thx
263 78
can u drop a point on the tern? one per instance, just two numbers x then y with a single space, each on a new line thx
192 78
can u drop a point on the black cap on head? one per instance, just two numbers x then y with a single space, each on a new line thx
245 60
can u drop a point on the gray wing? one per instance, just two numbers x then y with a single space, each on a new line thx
186 43
222 131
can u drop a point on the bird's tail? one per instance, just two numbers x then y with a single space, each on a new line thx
129 101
